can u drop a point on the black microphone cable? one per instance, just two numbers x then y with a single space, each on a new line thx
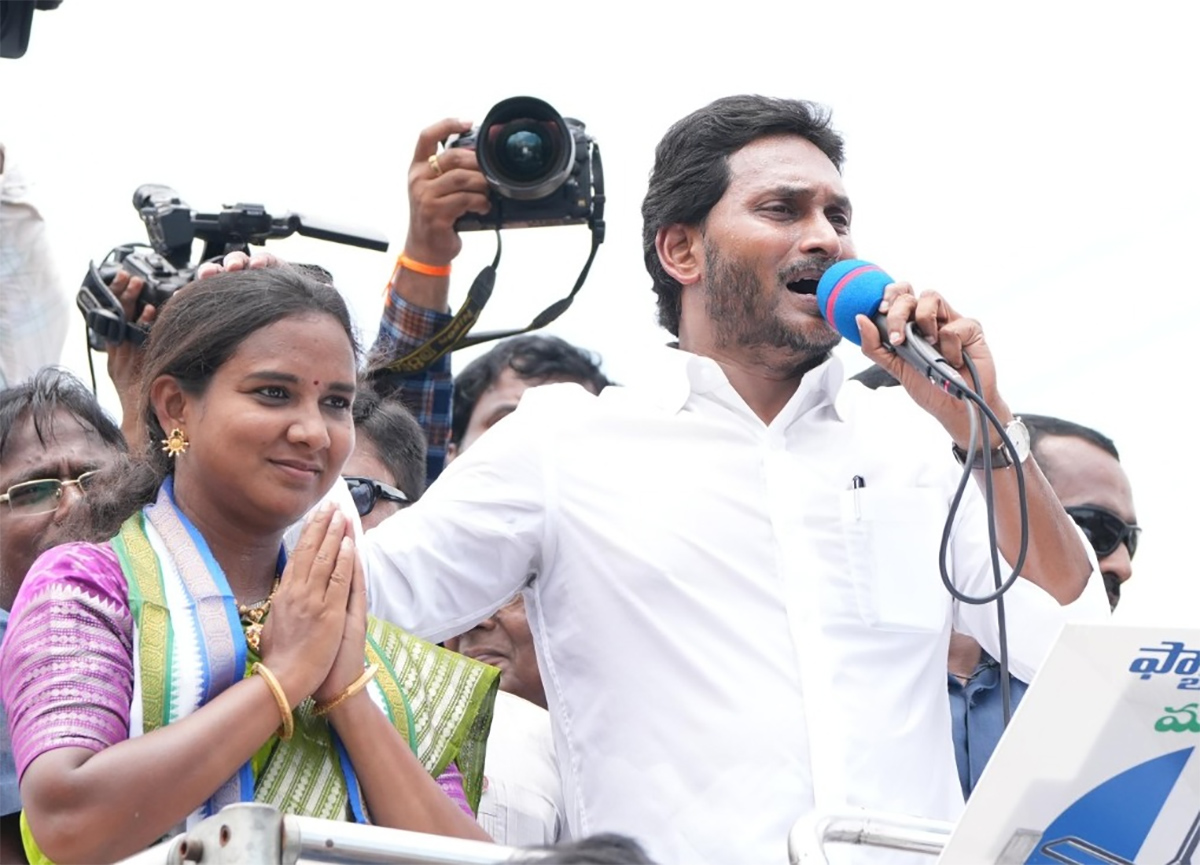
979 408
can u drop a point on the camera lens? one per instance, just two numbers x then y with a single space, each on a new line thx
525 149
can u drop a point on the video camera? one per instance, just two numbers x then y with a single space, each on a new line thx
538 164
171 226
16 20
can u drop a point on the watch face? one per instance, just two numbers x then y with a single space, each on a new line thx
1020 438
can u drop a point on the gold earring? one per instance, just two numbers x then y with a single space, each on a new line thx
176 443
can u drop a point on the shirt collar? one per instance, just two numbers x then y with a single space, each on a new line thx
677 374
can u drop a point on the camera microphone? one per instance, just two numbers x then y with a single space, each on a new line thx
855 287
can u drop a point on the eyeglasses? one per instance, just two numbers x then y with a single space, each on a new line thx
1105 530
43 495
367 492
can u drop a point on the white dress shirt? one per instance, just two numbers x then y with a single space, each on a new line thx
727 633
522 801
35 307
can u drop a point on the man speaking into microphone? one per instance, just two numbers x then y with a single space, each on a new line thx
732 565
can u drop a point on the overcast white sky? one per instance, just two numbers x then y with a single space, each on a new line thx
1034 162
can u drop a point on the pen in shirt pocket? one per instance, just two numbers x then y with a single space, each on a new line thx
856 484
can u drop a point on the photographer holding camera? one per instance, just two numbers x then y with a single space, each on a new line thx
525 165
442 187
449 191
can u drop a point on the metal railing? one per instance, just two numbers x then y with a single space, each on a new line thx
261 834
810 834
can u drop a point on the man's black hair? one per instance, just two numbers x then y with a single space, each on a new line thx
533 357
691 169
1041 426
396 436
42 396
603 848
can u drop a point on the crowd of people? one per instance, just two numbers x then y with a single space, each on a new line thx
626 622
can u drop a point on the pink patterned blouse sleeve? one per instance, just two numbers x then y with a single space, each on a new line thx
66 666
451 781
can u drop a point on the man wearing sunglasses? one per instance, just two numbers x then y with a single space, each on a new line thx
54 438
386 471
1084 470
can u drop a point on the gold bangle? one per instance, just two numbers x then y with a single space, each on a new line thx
357 685
285 711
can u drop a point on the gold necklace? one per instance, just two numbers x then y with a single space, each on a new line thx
252 616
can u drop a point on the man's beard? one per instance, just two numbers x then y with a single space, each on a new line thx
1112 585
745 316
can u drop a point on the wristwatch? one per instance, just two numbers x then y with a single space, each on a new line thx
1001 458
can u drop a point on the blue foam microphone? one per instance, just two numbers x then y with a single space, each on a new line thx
854 287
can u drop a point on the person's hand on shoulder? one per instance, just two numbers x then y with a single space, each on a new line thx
442 186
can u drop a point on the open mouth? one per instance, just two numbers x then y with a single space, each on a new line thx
803 286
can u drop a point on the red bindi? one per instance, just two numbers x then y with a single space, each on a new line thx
316 383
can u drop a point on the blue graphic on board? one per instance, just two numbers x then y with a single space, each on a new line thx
1109 824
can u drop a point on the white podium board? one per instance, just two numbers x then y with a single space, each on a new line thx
1100 764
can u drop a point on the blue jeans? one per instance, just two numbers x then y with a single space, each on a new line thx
977 718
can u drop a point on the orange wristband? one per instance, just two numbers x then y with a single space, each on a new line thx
420 267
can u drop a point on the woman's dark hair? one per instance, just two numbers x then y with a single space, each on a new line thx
395 435
41 397
196 332
691 169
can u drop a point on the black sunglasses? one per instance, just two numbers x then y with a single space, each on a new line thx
367 492
1105 530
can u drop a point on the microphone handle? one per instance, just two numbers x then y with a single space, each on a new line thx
924 358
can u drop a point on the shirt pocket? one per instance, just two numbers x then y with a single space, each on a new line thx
893 541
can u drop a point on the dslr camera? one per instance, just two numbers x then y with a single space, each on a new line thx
543 168
171 227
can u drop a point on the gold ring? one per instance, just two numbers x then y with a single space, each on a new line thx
435 165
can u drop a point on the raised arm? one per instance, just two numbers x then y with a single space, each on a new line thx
125 358
1056 559
417 304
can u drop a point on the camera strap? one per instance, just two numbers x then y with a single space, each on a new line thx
457 332
103 313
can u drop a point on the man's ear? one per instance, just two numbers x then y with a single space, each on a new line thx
681 252
169 402
451 452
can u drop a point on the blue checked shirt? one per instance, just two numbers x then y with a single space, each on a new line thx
428 394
